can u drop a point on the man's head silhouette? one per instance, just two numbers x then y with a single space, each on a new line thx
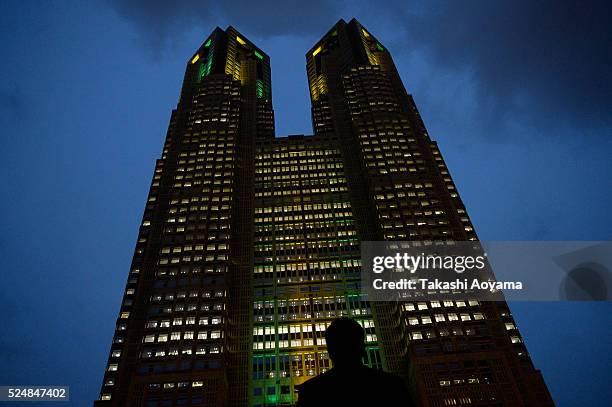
351 382
345 342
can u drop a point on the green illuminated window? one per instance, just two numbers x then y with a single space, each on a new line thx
206 60
201 71
261 90
258 55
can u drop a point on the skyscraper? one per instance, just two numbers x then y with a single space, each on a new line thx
250 244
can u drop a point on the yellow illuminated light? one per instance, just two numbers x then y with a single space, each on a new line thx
365 33
240 40
195 59
318 87
316 51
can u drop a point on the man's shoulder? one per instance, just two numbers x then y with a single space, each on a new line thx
360 386
367 374
321 380
381 376
309 391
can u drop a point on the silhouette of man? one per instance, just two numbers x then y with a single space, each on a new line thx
350 382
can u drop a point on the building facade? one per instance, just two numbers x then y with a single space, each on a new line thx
250 244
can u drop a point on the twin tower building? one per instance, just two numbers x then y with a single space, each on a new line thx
249 244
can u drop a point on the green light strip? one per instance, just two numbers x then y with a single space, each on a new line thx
261 90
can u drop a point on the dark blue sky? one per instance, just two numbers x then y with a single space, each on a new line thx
518 95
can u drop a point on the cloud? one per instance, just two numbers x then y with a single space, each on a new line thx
159 21
13 102
14 347
538 58
543 64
